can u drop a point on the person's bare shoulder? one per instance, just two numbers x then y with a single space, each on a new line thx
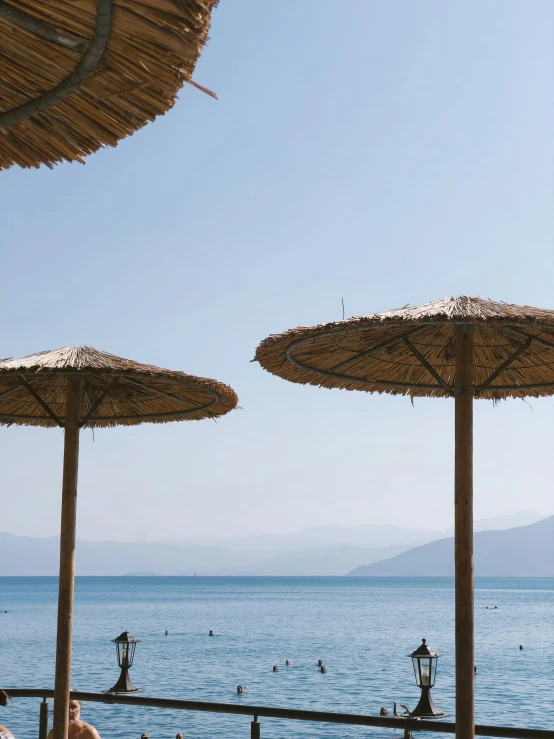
89 732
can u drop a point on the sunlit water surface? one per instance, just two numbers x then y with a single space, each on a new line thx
362 629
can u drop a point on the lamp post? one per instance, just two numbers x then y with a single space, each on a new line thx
125 644
424 660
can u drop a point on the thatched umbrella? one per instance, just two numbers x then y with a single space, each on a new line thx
457 348
85 388
78 76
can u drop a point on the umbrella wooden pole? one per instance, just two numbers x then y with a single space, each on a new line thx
62 685
463 534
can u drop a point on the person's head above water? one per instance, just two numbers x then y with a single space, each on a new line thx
4 698
180 735
287 662
211 633
319 662
275 668
167 633
521 646
323 668
239 689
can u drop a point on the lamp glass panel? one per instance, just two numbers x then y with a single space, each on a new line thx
434 663
415 661
425 668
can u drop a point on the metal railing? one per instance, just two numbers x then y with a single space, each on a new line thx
353 719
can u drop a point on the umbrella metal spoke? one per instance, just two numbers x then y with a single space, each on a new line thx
10 391
353 378
418 355
40 28
41 402
376 349
96 403
507 363
539 339
171 396
88 64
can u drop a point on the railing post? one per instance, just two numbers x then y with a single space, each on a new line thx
255 729
43 721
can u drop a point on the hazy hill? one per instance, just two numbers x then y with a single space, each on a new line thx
525 551
321 550
22 555
317 537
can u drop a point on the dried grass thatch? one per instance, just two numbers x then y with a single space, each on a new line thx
116 391
410 351
55 48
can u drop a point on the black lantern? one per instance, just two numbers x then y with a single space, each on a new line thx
425 660
125 645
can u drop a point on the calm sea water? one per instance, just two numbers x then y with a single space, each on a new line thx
362 629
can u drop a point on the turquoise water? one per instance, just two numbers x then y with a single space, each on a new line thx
362 629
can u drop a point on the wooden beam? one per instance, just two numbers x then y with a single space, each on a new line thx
96 403
38 27
376 349
463 534
418 355
62 685
11 390
171 396
506 364
41 402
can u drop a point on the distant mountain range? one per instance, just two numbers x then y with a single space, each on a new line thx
322 550
525 551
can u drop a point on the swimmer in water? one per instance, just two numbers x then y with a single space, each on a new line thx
240 689
275 668
319 662
287 662
323 669
520 647
211 633
180 735
383 712
167 633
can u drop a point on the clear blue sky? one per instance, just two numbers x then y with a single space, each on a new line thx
383 152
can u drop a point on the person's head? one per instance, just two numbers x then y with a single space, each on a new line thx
319 662
180 736
287 662
239 689
144 736
4 698
74 711
274 668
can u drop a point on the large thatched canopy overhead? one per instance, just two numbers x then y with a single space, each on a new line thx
410 351
77 75
116 391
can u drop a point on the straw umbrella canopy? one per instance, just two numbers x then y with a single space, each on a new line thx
74 388
461 348
78 76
